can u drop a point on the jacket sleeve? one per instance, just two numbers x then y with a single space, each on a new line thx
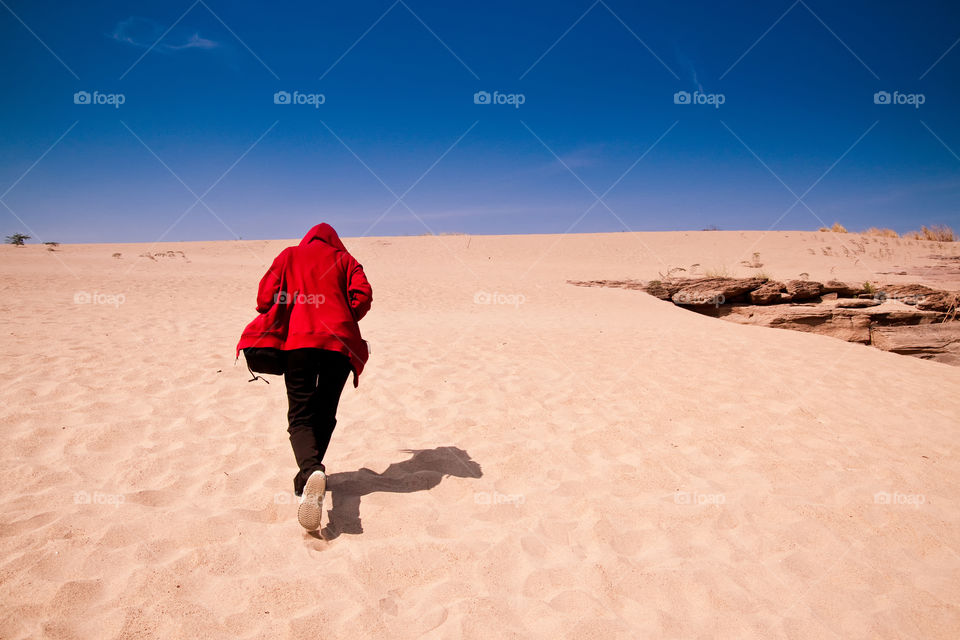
359 291
270 283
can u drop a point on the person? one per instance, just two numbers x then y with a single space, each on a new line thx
309 303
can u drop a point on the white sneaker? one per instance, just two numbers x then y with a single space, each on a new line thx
311 501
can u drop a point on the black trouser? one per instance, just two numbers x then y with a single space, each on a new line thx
314 379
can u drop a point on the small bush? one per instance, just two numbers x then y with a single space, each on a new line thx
883 233
838 228
720 272
670 271
933 233
868 288
938 233
17 239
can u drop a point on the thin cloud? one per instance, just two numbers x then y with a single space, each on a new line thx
691 69
143 33
196 42
583 157
580 158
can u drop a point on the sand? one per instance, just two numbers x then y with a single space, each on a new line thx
523 458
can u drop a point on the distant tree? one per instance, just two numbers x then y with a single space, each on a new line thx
17 239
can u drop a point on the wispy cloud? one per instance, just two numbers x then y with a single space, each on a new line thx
691 70
579 158
143 33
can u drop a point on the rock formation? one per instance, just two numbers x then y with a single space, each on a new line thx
910 319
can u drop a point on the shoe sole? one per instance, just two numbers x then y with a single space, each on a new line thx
311 509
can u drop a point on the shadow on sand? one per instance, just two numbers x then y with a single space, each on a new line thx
421 472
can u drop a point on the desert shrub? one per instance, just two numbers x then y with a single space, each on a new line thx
935 233
838 228
719 272
938 233
17 239
883 233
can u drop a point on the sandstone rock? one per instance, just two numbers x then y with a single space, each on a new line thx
663 289
905 293
857 316
803 290
768 293
939 301
851 327
924 297
842 289
895 317
845 324
940 342
714 291
855 303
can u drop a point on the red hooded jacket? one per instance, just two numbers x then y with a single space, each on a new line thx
313 295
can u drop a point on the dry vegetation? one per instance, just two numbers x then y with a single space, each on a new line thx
935 232
883 233
836 228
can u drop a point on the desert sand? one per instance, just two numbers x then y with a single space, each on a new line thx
523 458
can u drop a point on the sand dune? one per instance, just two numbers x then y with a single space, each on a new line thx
523 458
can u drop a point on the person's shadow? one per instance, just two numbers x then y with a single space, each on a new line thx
421 472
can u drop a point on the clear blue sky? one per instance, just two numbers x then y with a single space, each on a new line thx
598 83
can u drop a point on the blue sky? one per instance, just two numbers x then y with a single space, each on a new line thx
200 150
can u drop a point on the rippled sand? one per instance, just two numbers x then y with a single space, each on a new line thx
523 458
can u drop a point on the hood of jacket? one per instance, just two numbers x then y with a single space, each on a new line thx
323 233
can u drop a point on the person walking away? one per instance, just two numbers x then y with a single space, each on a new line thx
310 302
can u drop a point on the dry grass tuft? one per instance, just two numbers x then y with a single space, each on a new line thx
934 233
719 272
883 233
